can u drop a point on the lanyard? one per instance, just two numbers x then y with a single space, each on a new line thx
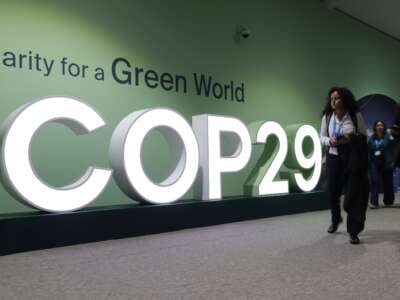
378 143
336 132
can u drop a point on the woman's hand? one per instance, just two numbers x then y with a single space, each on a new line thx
333 142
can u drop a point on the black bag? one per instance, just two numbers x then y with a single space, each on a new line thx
358 153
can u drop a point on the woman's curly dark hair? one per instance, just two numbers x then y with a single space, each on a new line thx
328 107
349 102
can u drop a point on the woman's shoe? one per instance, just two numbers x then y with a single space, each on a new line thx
373 206
354 239
333 228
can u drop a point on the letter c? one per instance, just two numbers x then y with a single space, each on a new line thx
16 168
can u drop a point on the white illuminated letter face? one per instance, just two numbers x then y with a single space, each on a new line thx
313 161
269 185
16 168
126 148
208 130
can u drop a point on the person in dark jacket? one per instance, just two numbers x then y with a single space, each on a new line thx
395 131
380 164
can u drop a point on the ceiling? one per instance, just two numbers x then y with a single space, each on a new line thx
380 14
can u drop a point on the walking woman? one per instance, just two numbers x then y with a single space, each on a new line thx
381 164
341 120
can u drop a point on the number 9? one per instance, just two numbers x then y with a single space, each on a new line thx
297 159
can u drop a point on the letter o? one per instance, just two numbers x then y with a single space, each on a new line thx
126 148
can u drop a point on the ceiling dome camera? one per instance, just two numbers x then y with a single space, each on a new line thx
241 33
245 32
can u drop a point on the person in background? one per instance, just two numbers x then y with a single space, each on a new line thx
395 131
381 164
396 123
340 119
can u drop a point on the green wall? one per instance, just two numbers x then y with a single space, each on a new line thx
298 49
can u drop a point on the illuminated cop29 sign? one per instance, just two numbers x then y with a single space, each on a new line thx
196 147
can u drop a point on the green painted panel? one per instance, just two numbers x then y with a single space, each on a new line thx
297 50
